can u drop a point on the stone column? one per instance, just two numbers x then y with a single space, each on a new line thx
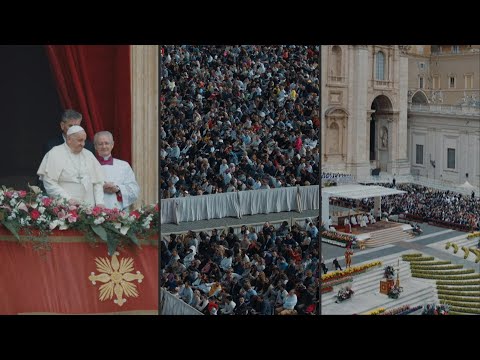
361 163
325 207
145 97
377 206
324 105
402 162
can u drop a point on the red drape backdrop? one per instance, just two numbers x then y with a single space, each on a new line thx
95 80
57 280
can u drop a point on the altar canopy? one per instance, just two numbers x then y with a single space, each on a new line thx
357 192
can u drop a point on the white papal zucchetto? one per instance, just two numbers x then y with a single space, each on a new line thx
74 129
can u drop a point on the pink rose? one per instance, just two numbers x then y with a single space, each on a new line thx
22 193
72 216
46 201
34 214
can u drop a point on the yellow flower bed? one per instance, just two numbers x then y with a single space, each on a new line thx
349 271
472 235
376 311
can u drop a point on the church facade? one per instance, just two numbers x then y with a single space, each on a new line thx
364 109
400 110
444 112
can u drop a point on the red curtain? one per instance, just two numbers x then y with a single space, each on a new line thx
95 80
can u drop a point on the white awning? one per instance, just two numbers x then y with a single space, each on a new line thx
356 192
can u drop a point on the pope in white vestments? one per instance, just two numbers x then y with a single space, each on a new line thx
69 171
121 188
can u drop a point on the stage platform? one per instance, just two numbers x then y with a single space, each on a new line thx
381 232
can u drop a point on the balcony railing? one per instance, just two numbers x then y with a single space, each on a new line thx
337 79
382 83
445 109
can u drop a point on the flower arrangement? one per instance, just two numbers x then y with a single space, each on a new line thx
349 271
473 235
334 282
326 289
333 235
33 213
397 310
432 309
377 311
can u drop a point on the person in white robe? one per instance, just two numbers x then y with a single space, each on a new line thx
121 188
362 221
365 219
71 172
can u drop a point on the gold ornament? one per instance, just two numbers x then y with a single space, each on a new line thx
116 277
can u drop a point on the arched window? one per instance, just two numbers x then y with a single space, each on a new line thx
337 60
380 69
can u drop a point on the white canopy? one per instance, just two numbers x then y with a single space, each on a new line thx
354 191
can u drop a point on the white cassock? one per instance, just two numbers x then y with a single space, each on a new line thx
68 175
121 174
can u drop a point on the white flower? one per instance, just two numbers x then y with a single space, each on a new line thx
41 209
63 225
117 225
33 205
54 224
124 230
22 206
13 202
99 220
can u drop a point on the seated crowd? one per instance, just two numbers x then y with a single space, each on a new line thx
238 118
434 205
272 271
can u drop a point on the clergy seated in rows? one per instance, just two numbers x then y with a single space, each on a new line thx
120 188
363 222
69 171
348 227
372 219
353 220
359 220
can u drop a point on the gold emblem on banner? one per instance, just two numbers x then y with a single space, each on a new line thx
117 277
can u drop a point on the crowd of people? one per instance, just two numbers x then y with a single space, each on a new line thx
265 272
432 205
238 118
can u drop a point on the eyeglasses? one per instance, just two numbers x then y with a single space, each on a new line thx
103 143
